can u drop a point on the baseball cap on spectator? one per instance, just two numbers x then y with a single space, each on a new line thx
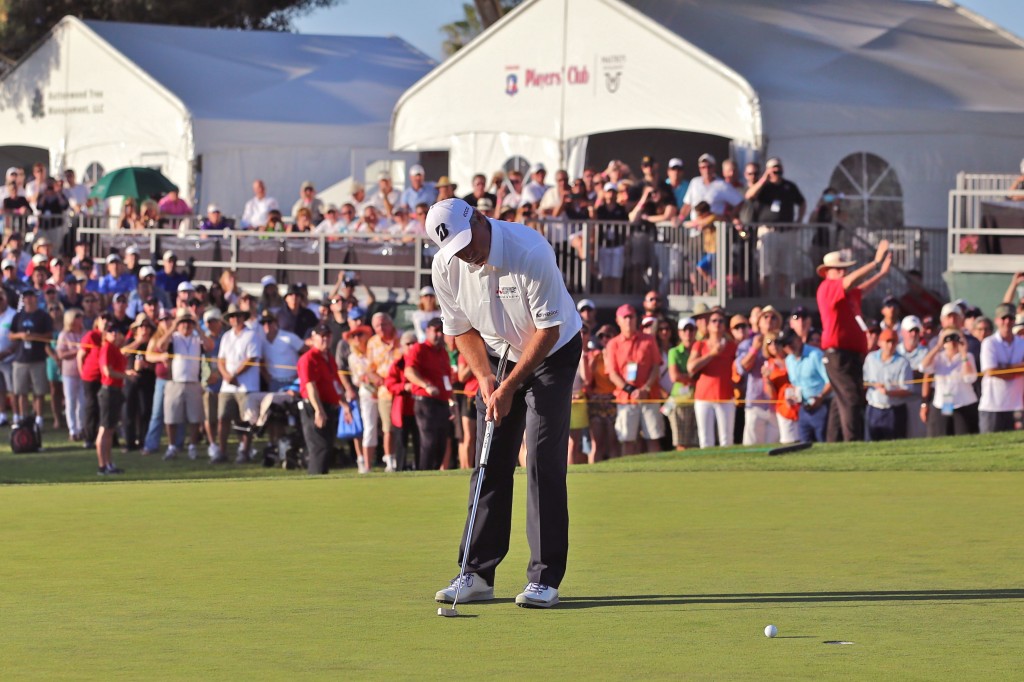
53 287
29 292
295 290
54 262
267 317
951 309
132 250
448 226
685 322
890 301
212 314
80 276
772 162
625 309
874 327
141 320
800 312
186 286
787 338
152 300
212 208
675 162
585 303
911 322
416 169
331 208
649 320
306 184
484 204
146 271
41 240
887 335
322 329
707 158
359 330
6 263
113 258
356 313
647 160
40 259
1004 310
268 281
427 291
1018 324
610 187
350 279
962 302
538 168
169 255
12 171
436 323
121 298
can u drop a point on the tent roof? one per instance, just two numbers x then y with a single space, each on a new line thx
907 54
270 76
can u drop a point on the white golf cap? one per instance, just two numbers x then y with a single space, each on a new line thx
585 303
131 250
427 291
7 263
709 158
950 309
675 162
268 280
212 314
911 322
448 226
146 271
185 286
538 168
113 258
416 169
650 319
213 208
13 170
168 255
610 187
40 259
685 322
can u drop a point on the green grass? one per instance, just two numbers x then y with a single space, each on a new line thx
912 551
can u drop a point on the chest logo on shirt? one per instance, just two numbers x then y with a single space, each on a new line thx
442 232
507 293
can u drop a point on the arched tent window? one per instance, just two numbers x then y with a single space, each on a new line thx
872 195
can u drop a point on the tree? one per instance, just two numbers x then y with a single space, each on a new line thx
477 17
24 22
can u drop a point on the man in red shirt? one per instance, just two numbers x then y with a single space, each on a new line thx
113 371
89 369
321 390
428 369
843 338
632 360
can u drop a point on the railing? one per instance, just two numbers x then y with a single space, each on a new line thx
986 224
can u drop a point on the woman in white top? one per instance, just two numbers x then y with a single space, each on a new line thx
954 408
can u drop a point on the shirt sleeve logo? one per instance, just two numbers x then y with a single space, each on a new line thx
442 232
546 314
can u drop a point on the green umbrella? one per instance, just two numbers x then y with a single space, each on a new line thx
132 182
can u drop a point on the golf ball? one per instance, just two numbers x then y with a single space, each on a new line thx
770 631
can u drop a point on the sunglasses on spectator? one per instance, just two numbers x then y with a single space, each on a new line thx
716 320
915 330
952 338
1006 317
603 336
742 325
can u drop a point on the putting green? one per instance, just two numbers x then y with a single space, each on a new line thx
672 574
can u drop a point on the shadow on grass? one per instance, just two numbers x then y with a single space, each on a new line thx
788 597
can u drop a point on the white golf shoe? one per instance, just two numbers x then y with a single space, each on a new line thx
474 588
171 453
537 596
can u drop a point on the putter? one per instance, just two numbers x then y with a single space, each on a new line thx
485 452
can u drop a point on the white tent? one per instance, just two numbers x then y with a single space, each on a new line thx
891 96
214 109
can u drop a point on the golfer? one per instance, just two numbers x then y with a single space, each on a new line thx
497 284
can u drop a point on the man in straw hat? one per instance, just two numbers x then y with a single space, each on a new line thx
238 363
842 336
183 395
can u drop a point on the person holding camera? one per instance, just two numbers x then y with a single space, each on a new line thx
953 410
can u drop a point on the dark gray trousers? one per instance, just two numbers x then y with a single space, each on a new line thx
540 413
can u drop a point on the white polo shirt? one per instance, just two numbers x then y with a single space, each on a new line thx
1002 393
718 193
186 363
236 349
518 291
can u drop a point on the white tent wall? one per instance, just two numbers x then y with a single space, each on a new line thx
533 88
84 102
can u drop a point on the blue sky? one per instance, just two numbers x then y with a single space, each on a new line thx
419 21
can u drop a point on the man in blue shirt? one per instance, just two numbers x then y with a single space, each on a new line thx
806 367
417 192
117 280
887 375
169 278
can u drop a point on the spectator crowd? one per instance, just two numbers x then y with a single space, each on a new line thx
137 355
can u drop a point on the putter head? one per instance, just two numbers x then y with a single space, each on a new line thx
447 613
